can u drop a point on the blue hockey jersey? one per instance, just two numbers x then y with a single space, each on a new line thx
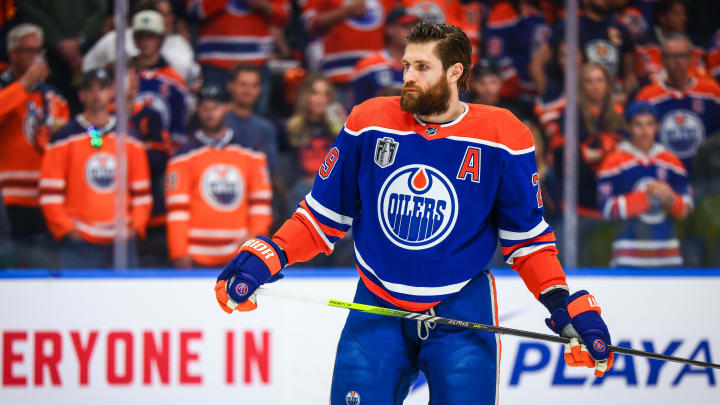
646 236
427 202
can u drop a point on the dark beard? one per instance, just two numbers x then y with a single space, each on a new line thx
434 100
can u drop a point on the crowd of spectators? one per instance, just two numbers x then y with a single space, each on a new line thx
233 105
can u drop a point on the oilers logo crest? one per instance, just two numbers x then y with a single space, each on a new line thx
374 16
682 131
100 172
605 53
157 103
428 11
222 187
31 124
352 398
417 207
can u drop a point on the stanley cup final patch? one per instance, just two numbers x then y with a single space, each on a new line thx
385 151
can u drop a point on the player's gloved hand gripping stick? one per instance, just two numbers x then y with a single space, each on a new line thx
577 317
258 262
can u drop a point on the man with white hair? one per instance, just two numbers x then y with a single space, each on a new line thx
29 111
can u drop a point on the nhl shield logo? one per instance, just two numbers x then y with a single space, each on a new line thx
430 131
385 151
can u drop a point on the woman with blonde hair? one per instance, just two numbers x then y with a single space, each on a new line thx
308 136
309 133
600 124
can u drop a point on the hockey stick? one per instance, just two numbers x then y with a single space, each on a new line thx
467 325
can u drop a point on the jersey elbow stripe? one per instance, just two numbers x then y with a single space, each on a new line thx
316 227
329 230
328 213
524 251
516 236
549 236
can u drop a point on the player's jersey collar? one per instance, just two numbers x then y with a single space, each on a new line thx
447 124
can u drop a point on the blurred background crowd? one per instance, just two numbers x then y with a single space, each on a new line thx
233 105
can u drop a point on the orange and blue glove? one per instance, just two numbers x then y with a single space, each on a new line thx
577 317
258 262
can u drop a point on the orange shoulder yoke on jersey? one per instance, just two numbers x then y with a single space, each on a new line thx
669 158
496 125
651 91
540 270
613 160
382 112
708 86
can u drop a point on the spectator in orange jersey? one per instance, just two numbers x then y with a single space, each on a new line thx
349 31
237 31
29 111
218 193
78 181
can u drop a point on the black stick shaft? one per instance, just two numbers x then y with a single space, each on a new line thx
506 331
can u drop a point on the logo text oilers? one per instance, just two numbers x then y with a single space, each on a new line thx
417 207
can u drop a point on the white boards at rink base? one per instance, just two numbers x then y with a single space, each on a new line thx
144 339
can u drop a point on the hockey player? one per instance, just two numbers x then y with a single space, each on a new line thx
645 186
77 183
428 185
218 193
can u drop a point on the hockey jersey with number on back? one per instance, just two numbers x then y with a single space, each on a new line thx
687 116
218 193
428 202
77 184
646 236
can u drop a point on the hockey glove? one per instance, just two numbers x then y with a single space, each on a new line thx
578 318
258 262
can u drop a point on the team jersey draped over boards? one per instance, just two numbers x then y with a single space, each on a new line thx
428 202
645 236
232 32
218 193
687 116
26 118
77 184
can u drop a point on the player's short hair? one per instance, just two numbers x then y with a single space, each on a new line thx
244 68
13 38
453 46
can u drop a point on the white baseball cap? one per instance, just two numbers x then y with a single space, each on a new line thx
148 20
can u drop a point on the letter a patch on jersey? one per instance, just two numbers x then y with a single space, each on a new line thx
470 165
385 151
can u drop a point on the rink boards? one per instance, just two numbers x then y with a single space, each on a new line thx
144 339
